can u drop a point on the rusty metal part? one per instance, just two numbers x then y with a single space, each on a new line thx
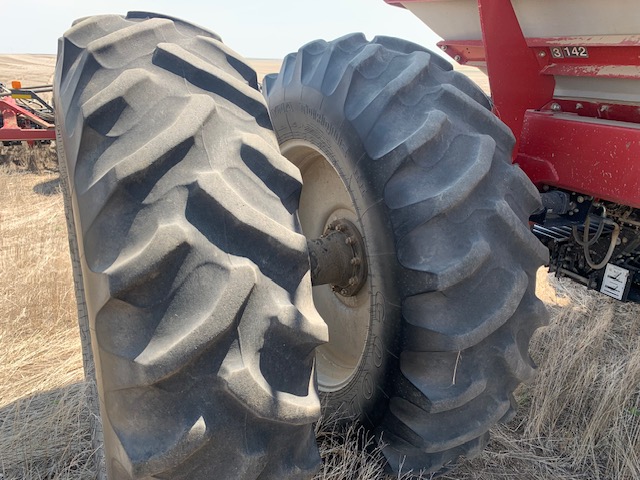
338 258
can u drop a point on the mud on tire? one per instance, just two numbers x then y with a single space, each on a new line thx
444 215
194 295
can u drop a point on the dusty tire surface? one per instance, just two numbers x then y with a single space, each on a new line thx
197 321
444 216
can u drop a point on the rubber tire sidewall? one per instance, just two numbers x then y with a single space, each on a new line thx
366 395
88 362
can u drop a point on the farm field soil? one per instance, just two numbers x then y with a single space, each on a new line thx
31 70
580 419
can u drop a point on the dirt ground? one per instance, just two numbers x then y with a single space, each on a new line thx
578 420
31 70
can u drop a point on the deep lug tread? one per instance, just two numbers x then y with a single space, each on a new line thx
460 81
138 160
460 106
186 28
468 86
268 82
522 196
428 431
113 50
88 29
310 57
358 109
209 77
192 294
446 380
433 186
435 319
458 209
411 144
288 65
441 271
216 51
404 46
238 228
121 94
280 177
536 253
341 54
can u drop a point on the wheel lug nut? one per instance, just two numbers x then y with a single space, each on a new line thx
355 261
344 291
353 280
350 240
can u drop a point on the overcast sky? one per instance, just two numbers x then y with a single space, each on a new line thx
256 29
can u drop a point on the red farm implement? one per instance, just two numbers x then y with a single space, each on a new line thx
24 115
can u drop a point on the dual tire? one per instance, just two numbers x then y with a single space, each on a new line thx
200 329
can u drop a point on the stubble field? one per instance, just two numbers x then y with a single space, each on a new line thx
580 419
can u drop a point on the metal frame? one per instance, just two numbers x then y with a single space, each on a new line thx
19 124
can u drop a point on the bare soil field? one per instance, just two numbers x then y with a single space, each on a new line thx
580 418
31 70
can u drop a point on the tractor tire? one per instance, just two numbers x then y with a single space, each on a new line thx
196 316
430 350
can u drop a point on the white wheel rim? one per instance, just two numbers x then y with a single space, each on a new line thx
325 199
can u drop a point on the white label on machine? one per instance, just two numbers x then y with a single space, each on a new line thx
569 52
614 281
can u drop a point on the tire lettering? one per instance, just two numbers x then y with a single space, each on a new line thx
377 353
321 120
378 313
367 386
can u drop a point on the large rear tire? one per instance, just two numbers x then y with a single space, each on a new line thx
386 136
193 287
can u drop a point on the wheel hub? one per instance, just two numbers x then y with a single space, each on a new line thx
328 217
338 258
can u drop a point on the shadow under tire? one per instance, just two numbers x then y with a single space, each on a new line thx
196 317
426 167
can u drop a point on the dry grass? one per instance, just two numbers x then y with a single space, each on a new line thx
43 420
47 436
38 333
586 404
40 158
579 420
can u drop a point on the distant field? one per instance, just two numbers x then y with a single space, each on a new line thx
580 419
38 69
29 69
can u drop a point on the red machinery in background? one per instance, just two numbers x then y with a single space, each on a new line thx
24 115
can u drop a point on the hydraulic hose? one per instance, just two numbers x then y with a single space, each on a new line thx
586 242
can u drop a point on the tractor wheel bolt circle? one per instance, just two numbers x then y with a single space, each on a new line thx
338 258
